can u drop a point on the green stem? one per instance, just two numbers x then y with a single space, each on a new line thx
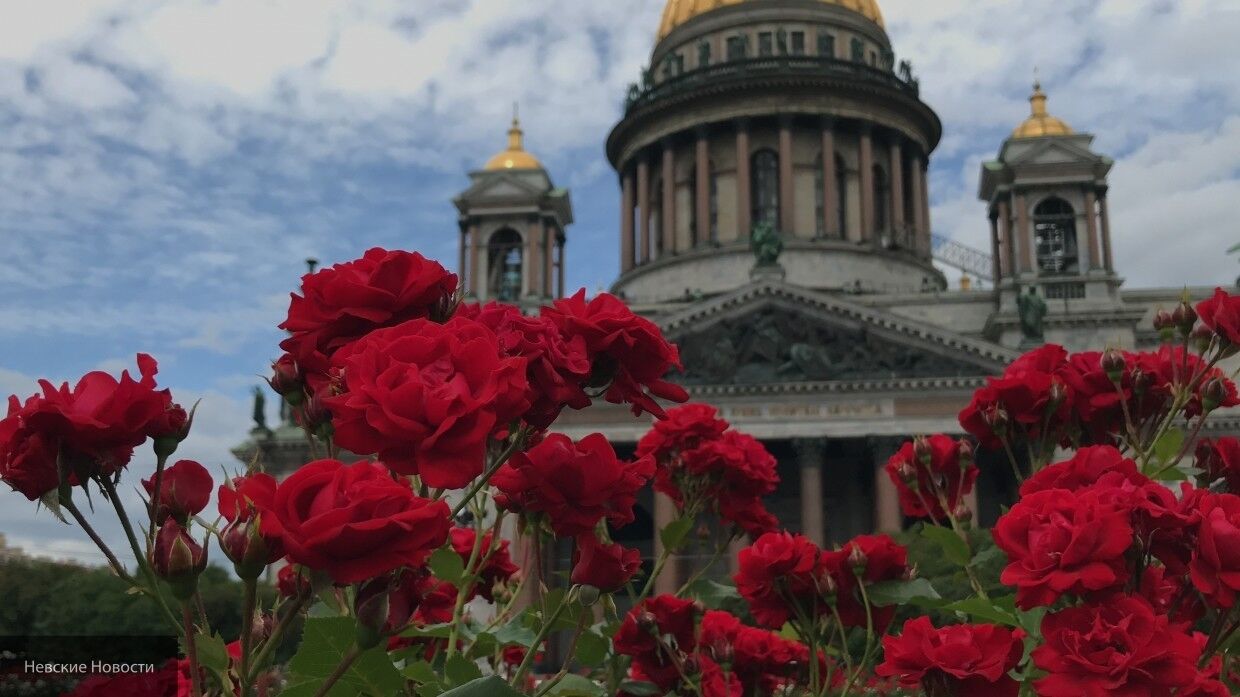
869 638
276 635
482 481
702 571
346 661
94 537
160 461
191 649
144 564
248 603
568 657
543 632
467 581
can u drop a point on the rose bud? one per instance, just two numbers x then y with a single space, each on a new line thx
371 608
922 451
264 623
1201 338
997 419
724 654
965 449
290 582
907 473
1058 393
1184 317
314 415
1113 365
247 549
1163 321
691 666
1213 393
1141 381
178 559
910 574
169 429
286 380
647 621
962 513
184 490
605 567
829 586
857 559
588 595
699 607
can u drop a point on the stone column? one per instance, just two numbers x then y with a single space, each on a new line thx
626 223
920 229
897 190
1024 236
664 514
701 197
744 208
810 456
1091 229
461 271
478 277
787 183
668 224
996 249
888 517
1006 242
559 255
535 263
867 186
830 197
550 235
643 210
925 205
1106 234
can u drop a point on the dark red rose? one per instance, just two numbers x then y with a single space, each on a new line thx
574 485
685 428
945 477
779 569
354 522
717 682
291 582
629 354
731 472
760 658
1166 593
1170 366
1221 313
556 367
177 558
241 502
867 559
493 564
426 398
243 497
1029 401
101 420
1219 461
173 424
1086 467
607 567
747 513
185 490
342 303
1215 565
652 629
1059 542
965 660
27 456
1120 647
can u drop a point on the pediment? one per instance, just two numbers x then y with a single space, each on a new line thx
1053 152
504 187
774 333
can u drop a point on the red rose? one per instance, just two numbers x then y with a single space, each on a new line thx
1221 314
241 502
778 569
1171 366
575 485
556 367
1219 460
945 475
27 456
1120 647
340 304
867 559
963 660
1058 542
291 582
1086 467
1215 565
732 472
760 658
1029 400
184 490
101 420
426 398
354 522
747 513
493 564
685 428
177 558
607 567
652 629
243 497
1166 593
628 352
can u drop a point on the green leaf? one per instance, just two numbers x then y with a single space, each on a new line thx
917 592
460 670
981 609
592 648
421 672
1168 445
437 631
1177 474
212 657
447 566
485 687
673 536
638 688
955 549
573 685
516 632
324 641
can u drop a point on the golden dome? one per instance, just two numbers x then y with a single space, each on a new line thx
678 12
515 157
1040 123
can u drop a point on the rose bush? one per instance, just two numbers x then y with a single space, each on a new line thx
480 552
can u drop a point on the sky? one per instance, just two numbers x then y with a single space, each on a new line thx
167 165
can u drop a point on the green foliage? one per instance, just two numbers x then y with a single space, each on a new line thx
486 687
947 576
324 641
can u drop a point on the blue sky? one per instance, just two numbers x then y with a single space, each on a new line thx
166 165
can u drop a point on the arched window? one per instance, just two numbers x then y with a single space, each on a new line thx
504 265
882 199
841 196
1054 232
764 187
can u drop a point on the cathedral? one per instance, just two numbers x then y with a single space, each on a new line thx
775 223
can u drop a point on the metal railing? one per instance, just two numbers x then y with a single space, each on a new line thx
972 261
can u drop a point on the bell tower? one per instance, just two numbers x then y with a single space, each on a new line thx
512 221
1051 231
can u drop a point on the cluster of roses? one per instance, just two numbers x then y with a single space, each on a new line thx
682 648
706 466
1050 398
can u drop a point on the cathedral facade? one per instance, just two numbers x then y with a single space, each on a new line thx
794 121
